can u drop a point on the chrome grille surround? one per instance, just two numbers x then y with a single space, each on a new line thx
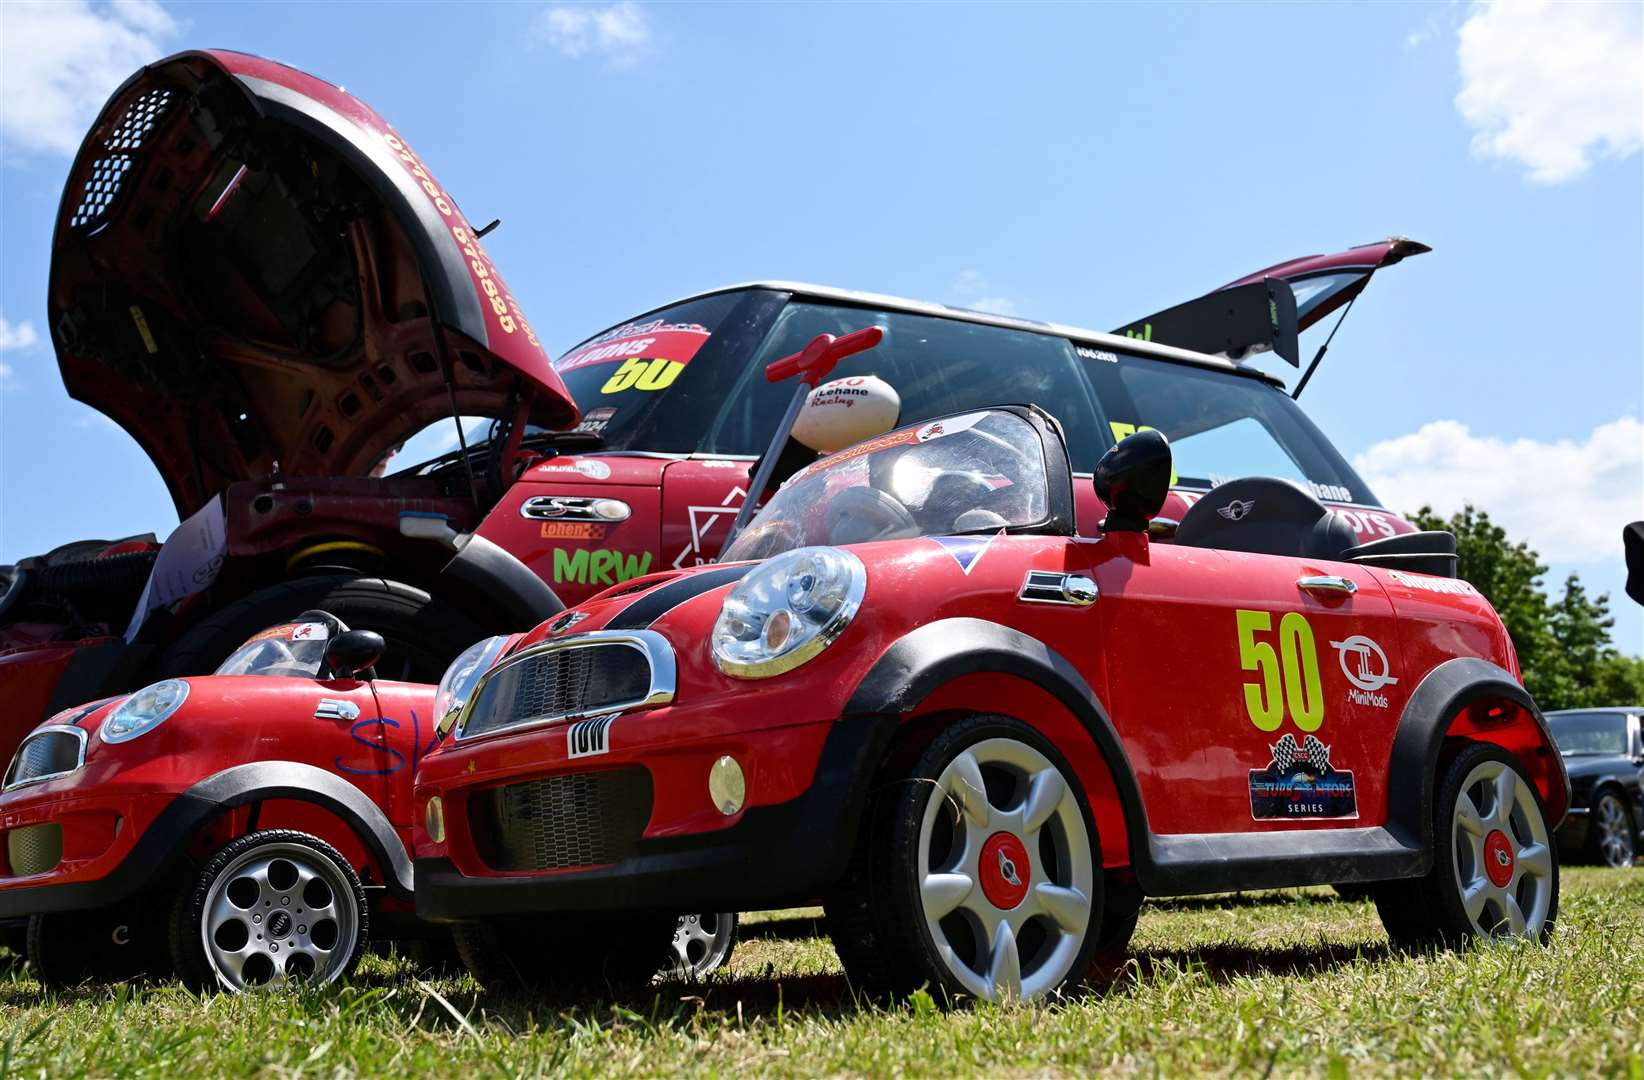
556 681
46 754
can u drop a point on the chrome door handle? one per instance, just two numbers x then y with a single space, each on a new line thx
1327 583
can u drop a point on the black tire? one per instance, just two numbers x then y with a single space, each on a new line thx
876 915
1622 850
344 896
1429 912
115 944
423 633
566 954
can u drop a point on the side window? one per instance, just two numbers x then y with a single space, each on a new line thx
938 366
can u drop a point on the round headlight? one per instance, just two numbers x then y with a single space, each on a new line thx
459 680
143 711
786 610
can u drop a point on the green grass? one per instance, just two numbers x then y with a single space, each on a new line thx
1293 982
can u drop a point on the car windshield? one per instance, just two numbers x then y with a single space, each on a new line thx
295 648
1589 733
978 472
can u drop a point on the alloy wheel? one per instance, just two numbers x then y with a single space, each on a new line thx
277 913
1615 834
703 942
1006 872
1502 859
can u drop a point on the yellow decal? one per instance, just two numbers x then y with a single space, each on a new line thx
638 373
143 330
1289 676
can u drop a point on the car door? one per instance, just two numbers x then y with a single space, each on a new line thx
1252 692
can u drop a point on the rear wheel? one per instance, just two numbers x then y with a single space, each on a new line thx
982 873
559 953
702 943
1494 874
1610 832
422 633
271 907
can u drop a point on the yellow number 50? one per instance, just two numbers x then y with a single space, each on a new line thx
1296 663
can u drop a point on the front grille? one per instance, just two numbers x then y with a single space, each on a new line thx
34 849
47 753
582 819
564 682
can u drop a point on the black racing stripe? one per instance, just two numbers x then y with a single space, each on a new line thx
654 604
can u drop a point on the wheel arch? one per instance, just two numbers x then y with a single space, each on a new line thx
968 665
292 781
1463 700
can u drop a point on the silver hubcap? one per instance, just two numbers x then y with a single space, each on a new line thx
1615 838
701 943
1006 873
1503 863
278 913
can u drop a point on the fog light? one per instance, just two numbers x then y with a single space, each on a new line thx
726 786
435 820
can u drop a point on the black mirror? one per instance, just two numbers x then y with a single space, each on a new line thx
352 652
1132 480
1632 539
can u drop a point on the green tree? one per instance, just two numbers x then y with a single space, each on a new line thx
1563 645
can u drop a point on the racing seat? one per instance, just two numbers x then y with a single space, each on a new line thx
1266 516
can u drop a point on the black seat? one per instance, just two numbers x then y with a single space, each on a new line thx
1267 516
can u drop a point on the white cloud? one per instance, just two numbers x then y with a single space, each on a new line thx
621 32
6 373
1553 85
62 58
16 335
973 291
1568 499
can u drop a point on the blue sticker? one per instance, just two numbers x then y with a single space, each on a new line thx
965 549
1300 782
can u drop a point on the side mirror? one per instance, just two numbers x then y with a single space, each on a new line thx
1132 480
352 652
1632 540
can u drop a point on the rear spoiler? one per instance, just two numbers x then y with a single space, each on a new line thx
1237 322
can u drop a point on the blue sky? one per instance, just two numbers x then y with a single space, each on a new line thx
1082 164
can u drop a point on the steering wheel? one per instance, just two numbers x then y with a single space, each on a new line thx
859 514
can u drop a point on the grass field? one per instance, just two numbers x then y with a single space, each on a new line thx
1293 982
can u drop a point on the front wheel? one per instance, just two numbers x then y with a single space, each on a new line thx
1610 832
271 907
1495 872
982 876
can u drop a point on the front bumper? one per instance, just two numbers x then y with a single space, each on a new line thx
115 842
771 854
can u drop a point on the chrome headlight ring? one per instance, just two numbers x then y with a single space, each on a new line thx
461 678
786 611
143 711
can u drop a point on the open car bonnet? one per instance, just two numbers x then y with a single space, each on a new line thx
250 266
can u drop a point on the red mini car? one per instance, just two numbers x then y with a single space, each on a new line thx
244 828
983 738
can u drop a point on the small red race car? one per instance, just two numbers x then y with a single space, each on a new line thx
242 829
915 691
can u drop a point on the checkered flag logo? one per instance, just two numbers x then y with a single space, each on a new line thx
1317 754
1285 752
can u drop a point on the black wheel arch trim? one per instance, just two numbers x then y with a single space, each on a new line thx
158 849
489 582
1189 863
